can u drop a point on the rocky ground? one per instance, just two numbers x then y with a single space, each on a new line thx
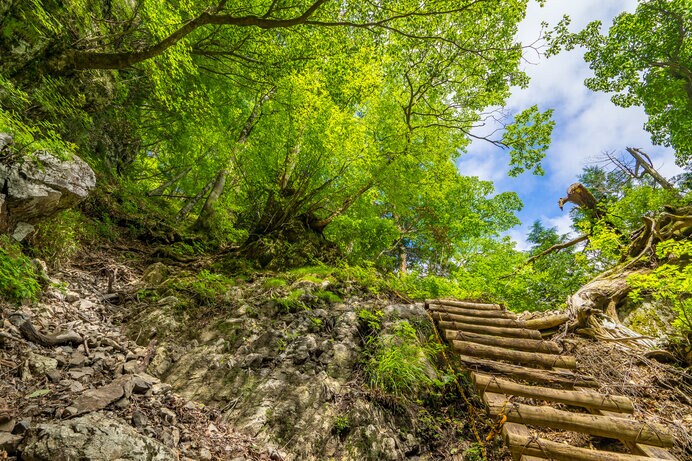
95 400
147 378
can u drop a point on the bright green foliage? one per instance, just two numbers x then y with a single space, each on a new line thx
401 363
274 283
18 280
670 282
207 288
646 60
58 239
328 296
528 137
308 121
556 275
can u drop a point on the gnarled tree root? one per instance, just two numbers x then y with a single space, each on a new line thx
30 333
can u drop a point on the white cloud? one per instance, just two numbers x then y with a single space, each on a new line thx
587 123
563 223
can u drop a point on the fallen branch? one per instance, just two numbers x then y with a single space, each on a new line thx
557 247
30 333
552 249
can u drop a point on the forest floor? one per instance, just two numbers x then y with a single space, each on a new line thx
107 375
104 374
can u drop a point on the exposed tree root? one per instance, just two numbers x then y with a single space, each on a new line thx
30 333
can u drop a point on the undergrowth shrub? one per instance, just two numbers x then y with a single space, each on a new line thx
18 279
58 239
670 283
402 364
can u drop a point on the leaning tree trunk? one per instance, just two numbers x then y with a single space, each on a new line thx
208 212
190 204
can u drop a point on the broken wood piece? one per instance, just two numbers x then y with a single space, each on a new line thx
602 426
492 322
578 398
520 344
544 323
488 330
30 333
556 378
471 312
466 304
524 358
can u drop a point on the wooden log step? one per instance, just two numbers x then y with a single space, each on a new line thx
602 426
472 312
533 375
509 355
493 322
520 344
488 330
522 445
466 304
578 398
514 431
545 323
637 448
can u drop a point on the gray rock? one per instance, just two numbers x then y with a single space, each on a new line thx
40 364
131 367
155 274
76 386
9 442
21 427
97 399
7 424
22 230
39 186
77 360
171 437
139 385
93 436
54 375
168 415
139 419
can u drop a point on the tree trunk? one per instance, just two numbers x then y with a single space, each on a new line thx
403 267
208 212
578 194
190 204
162 188
644 161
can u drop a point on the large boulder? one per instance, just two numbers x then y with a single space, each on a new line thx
38 186
93 436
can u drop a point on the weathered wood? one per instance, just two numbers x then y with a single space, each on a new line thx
637 448
509 428
520 344
472 312
578 398
488 330
543 323
547 449
525 358
556 378
603 426
30 333
492 322
466 304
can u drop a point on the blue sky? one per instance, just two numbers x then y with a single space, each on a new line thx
587 123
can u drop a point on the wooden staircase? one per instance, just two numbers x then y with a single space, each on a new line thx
508 358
